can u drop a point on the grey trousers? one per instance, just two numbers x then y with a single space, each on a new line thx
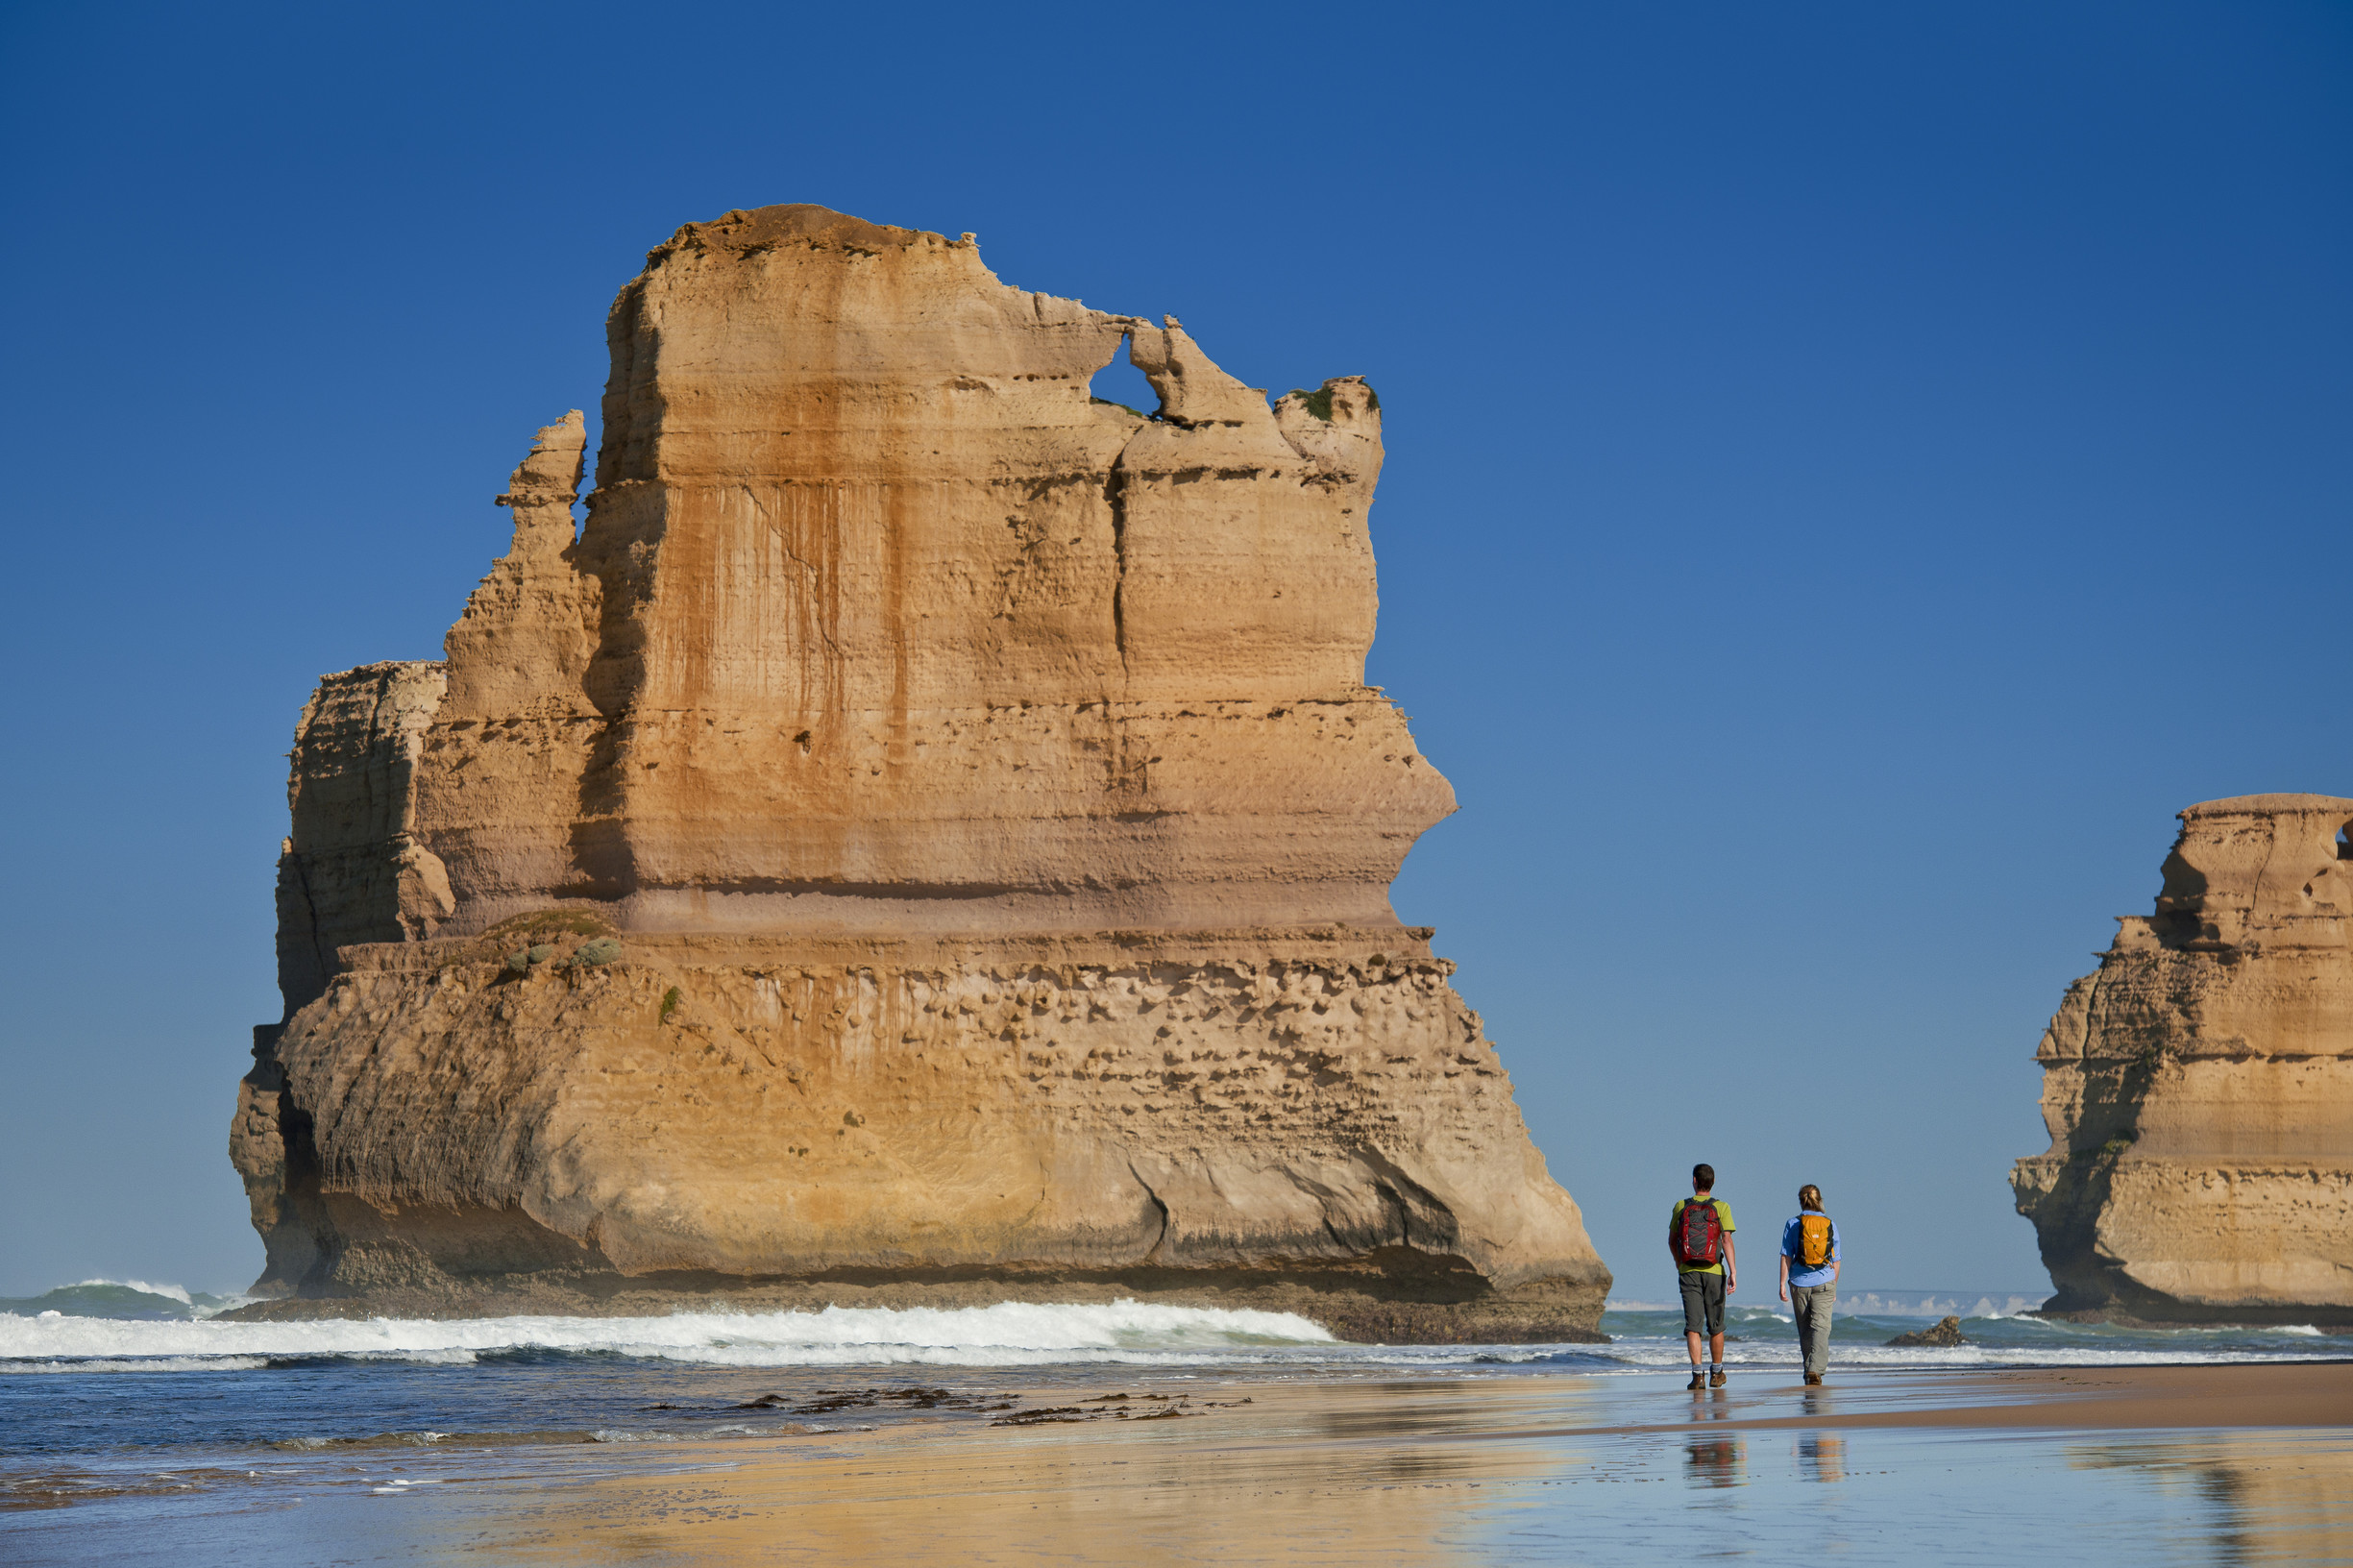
1813 1305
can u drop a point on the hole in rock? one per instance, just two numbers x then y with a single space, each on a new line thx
593 419
2344 845
1123 383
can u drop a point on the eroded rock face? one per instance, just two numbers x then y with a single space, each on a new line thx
2199 1087
980 783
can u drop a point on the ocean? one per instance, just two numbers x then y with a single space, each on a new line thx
86 1385
192 1435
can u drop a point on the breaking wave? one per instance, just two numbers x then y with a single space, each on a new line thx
147 1363
1010 1334
1996 1333
1646 1337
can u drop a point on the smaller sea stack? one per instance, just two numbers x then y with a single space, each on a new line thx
2198 1085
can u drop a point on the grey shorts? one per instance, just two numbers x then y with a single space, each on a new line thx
1703 1302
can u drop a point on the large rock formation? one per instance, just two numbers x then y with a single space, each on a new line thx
977 785
2200 1085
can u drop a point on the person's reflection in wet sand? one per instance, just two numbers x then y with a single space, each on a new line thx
1713 1461
1817 1401
1821 1456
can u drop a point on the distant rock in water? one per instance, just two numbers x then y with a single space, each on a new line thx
924 841
1947 1331
105 1298
2198 1088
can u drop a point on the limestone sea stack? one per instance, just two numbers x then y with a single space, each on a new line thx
926 841
2199 1087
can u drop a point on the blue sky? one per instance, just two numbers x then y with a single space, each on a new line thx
1854 472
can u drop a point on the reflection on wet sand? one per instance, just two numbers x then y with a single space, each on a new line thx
2270 1498
1434 1472
1821 1456
1304 1485
1713 1461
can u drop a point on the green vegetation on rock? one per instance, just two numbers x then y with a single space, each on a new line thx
543 923
1320 401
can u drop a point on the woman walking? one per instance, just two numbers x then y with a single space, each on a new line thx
1809 1278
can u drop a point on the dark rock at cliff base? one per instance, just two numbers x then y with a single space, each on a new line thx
1947 1333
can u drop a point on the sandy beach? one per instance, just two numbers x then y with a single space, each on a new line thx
2189 1464
2102 1399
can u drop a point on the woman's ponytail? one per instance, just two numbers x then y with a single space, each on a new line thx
1809 1196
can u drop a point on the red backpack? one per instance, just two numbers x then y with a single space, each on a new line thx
1697 1233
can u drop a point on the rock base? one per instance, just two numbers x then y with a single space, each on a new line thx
1358 1309
750 1124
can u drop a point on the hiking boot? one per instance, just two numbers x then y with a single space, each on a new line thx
1699 1379
1715 1379
1813 1381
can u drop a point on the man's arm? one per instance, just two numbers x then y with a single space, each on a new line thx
1732 1266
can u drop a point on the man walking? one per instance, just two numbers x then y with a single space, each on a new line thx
1699 1236
1809 1279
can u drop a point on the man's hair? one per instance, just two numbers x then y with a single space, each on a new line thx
1702 1178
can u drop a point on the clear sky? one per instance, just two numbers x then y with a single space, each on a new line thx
1854 472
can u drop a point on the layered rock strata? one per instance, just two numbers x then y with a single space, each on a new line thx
2199 1087
978 782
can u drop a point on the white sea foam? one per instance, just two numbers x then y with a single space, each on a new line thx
1927 1304
150 1363
1010 1334
1031 1334
1935 1303
177 1292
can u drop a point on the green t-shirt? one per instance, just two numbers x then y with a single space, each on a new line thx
1724 1218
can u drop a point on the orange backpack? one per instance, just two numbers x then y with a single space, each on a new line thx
1813 1240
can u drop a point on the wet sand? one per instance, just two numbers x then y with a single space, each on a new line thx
2169 1465
2090 1399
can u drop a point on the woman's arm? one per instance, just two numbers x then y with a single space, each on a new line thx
1784 1276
